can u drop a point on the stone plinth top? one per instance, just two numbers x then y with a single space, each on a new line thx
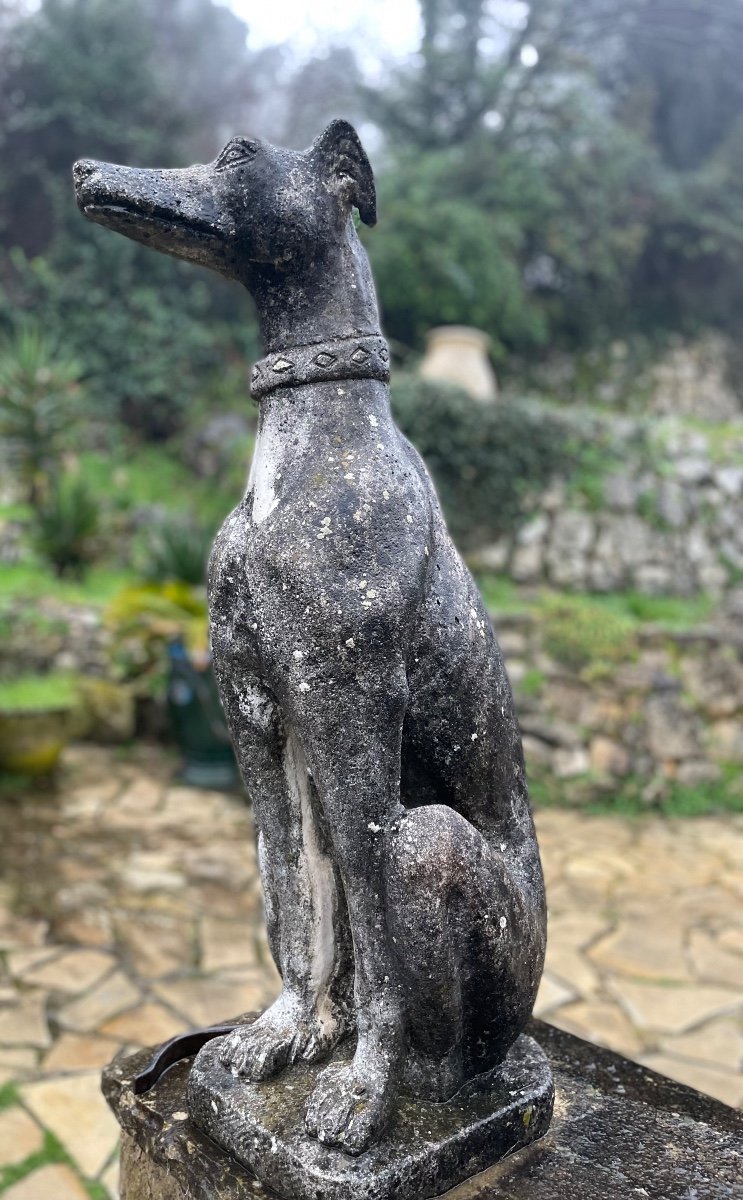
619 1131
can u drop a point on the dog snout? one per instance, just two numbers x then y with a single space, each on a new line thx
83 169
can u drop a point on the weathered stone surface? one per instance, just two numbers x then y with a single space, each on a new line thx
671 1009
25 1023
705 1078
78 1052
718 1043
20 1137
426 1149
113 996
143 1026
619 1131
658 955
344 702
73 1109
551 995
56 1182
73 972
603 1023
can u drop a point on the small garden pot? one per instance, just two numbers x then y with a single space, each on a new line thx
39 715
198 722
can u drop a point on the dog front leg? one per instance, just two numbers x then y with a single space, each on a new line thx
304 915
353 739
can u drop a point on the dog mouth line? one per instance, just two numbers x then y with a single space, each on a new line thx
166 220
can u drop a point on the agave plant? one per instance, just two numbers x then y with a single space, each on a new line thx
65 525
178 550
39 387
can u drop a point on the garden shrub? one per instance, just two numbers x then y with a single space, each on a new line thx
489 462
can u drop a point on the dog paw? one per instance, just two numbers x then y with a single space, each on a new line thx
282 1035
349 1108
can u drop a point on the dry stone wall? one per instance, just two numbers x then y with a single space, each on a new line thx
664 518
669 716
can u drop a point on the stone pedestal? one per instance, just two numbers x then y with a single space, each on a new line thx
619 1131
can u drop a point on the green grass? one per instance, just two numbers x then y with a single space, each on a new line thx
625 798
500 593
8 1096
33 580
532 682
676 613
37 693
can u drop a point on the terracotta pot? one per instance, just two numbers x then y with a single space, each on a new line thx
458 354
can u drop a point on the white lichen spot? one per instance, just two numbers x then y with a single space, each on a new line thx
386 494
371 593
340 391
373 421
180 1116
326 521
503 846
502 922
374 828
254 625
349 476
409 519
358 515
304 686
215 1106
298 654
425 551
380 445
362 585
350 643
473 737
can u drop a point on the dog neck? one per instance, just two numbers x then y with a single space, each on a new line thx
327 297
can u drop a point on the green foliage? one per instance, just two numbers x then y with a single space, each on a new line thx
38 402
33 580
142 83
488 461
145 619
445 258
178 549
65 525
531 683
581 633
38 693
596 152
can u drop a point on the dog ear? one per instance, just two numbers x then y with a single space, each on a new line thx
341 156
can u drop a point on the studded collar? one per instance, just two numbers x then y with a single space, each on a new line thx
342 358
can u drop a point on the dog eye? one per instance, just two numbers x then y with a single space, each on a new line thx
238 152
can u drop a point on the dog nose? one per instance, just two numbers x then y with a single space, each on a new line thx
83 168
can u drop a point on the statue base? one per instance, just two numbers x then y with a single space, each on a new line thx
428 1148
619 1130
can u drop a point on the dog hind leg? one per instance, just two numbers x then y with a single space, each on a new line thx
464 940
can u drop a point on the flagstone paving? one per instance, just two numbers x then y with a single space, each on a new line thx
130 909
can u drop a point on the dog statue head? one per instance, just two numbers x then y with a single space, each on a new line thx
254 204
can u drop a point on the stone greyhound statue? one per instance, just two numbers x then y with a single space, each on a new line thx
363 685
